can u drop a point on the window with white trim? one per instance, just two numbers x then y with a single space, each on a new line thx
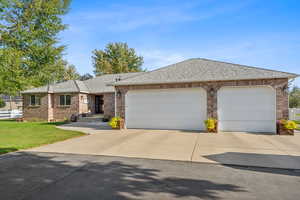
35 100
64 100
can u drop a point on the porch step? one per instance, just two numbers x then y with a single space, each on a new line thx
93 118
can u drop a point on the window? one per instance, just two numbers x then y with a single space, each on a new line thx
65 100
35 100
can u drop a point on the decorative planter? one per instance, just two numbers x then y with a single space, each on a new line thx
215 130
281 130
120 124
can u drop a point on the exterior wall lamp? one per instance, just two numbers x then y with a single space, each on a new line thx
211 91
285 89
119 93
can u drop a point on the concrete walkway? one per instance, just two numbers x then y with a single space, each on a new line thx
226 148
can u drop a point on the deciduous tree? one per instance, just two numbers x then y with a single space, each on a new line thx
294 97
29 30
116 58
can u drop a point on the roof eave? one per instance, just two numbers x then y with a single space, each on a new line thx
155 83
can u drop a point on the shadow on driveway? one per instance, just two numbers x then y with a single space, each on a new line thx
256 160
45 176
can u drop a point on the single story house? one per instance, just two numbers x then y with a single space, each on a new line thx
57 102
178 96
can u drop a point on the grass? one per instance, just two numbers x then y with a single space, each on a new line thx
23 135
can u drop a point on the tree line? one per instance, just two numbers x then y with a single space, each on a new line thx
31 53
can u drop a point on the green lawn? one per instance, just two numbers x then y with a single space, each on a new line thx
24 135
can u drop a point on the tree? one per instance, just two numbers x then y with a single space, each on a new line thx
67 72
294 97
86 77
116 58
12 75
71 73
29 30
2 103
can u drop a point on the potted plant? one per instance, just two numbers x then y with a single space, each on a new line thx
211 125
116 123
286 127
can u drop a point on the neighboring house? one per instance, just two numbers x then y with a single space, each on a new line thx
59 101
179 96
12 102
183 95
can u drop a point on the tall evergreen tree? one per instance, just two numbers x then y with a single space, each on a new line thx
29 30
116 58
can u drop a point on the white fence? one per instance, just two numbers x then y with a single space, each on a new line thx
10 114
294 113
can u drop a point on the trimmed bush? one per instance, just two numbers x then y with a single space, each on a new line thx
114 122
211 125
2 103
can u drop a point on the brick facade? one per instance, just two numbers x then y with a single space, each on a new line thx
36 112
64 112
212 88
50 109
109 105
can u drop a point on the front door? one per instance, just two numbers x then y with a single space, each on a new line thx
99 104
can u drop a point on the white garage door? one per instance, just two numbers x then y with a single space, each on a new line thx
250 109
166 109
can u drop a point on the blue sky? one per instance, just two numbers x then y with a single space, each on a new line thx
251 32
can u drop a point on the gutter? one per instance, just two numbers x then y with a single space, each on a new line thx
115 103
195 81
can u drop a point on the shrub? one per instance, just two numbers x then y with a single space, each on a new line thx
288 124
2 103
114 122
210 124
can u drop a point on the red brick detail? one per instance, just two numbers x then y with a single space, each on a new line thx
212 89
109 105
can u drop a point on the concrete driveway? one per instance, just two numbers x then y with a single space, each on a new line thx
226 148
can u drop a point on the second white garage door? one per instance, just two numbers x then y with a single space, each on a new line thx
166 109
247 109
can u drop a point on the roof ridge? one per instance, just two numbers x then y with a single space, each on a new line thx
158 69
253 67
117 74
76 84
83 82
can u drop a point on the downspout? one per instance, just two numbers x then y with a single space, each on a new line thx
115 102
116 80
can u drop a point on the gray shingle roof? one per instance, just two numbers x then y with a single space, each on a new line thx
67 86
100 84
94 85
199 69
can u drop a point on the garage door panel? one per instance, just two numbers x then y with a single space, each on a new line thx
248 115
166 109
247 126
247 109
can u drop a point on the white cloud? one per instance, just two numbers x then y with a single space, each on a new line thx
122 17
156 58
